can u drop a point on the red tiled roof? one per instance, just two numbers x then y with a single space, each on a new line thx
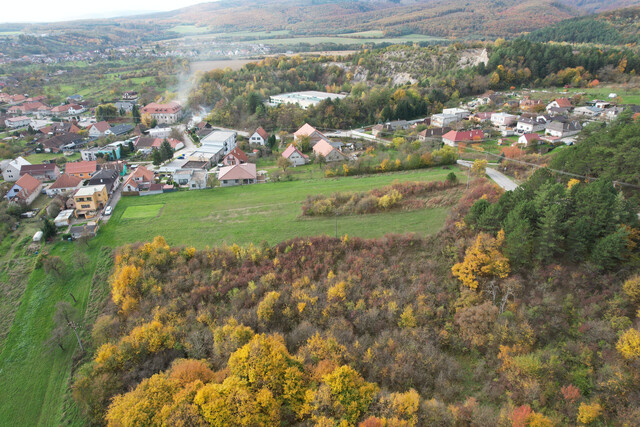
290 150
37 168
81 167
238 154
531 137
306 130
323 148
242 171
101 126
459 136
155 108
563 102
158 142
263 133
65 181
28 183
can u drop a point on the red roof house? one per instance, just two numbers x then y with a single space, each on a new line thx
453 137
235 157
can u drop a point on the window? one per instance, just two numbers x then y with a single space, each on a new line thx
85 206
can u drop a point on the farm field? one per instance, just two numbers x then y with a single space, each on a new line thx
32 371
346 40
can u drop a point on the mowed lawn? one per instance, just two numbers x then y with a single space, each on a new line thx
263 212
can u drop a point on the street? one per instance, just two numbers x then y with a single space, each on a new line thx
498 177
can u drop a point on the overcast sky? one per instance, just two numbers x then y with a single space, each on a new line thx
64 10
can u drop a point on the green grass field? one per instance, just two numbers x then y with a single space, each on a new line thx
41 157
189 29
35 377
143 211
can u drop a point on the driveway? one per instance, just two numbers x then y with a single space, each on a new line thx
498 177
113 201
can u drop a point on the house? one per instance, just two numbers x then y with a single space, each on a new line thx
77 231
60 128
42 171
195 179
588 111
454 137
25 190
612 113
328 152
163 113
17 99
528 104
432 133
64 218
503 119
295 156
460 113
376 130
130 95
481 117
26 108
60 142
528 139
314 135
121 129
237 175
11 171
159 132
529 125
126 106
219 141
442 120
100 129
67 110
65 183
17 122
235 157
559 105
260 136
107 152
563 129
90 200
139 180
397 125
74 98
109 177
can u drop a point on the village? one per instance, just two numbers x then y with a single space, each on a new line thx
92 161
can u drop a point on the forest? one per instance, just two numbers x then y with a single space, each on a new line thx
376 95
461 328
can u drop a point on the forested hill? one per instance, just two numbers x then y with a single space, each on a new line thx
614 27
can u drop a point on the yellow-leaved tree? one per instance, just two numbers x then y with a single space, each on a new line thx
629 344
483 261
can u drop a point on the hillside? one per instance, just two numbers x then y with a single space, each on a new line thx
614 27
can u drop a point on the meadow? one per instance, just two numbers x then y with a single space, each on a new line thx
31 371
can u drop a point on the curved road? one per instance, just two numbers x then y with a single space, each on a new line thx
498 177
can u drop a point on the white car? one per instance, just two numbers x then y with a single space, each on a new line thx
108 210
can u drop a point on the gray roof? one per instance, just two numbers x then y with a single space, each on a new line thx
122 129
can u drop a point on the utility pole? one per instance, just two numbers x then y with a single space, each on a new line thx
336 215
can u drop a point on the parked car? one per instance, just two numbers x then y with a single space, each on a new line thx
108 210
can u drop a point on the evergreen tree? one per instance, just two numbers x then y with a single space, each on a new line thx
157 157
166 152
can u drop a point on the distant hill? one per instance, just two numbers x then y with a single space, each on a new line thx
620 26
453 19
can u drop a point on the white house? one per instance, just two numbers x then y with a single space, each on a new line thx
260 137
587 111
163 113
159 132
503 119
11 171
25 190
195 179
295 156
100 129
241 174
458 112
528 138
562 130
329 152
220 140
443 120
17 122
529 125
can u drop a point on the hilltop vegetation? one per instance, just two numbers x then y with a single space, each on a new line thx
450 329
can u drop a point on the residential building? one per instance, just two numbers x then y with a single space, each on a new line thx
560 105
65 141
529 125
26 108
222 141
139 180
237 175
432 133
329 152
235 157
107 152
42 171
163 113
121 129
460 113
60 128
90 200
481 117
588 111
503 119
295 156
126 106
528 139
307 130
195 179
17 122
64 184
130 95
260 136
109 177
25 190
442 120
11 172
100 129
67 110
563 129
397 125
528 104
454 137
159 132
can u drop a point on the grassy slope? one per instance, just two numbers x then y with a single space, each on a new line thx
31 373
268 212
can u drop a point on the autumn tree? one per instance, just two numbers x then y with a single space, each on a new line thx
284 163
629 345
483 262
479 167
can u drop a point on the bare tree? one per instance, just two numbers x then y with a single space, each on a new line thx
65 318
82 260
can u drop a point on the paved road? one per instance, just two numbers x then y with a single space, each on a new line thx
498 177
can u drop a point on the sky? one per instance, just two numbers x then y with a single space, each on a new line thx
65 10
